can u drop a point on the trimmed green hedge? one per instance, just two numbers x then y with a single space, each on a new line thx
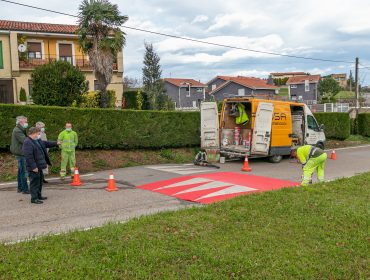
108 128
337 125
363 124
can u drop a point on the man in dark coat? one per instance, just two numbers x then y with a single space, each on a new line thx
37 159
18 136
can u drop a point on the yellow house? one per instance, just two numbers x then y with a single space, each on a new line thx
26 45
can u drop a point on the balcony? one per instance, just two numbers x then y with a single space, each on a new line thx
29 62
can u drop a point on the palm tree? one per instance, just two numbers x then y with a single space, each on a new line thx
101 38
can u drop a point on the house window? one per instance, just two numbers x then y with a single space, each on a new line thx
293 86
214 86
199 90
34 50
187 91
1 55
241 92
30 91
65 52
306 85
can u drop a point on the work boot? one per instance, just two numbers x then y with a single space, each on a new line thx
37 201
26 192
43 198
45 182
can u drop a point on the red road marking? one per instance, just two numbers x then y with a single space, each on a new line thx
209 188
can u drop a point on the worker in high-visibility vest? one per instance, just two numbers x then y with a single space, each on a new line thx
312 158
68 141
242 117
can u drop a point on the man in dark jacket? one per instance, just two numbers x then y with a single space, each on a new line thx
18 137
37 159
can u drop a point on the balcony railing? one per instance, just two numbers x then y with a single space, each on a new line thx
80 61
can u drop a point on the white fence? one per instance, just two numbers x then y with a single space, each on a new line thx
330 108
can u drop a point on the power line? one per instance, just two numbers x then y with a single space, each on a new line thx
188 39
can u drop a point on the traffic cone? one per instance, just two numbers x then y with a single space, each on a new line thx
246 167
333 155
111 183
76 178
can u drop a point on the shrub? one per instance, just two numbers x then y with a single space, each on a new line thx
363 124
58 83
337 125
22 95
92 99
108 128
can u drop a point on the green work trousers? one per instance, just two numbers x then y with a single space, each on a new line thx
67 157
310 167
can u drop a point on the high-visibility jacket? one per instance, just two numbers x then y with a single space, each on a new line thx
304 153
243 117
69 140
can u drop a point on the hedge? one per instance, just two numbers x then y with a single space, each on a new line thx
337 125
108 128
363 124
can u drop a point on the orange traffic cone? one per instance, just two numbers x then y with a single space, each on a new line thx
246 167
111 183
333 155
76 179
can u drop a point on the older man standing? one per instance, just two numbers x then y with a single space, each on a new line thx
41 126
37 159
18 137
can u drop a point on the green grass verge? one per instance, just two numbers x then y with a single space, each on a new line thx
283 92
317 232
345 94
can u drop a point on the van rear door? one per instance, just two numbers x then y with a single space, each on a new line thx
262 128
209 126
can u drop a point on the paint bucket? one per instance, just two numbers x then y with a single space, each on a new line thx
222 159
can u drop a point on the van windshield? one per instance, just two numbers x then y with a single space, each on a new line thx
311 123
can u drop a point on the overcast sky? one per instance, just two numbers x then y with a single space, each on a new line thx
326 29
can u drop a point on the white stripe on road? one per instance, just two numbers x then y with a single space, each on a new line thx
186 183
49 179
231 190
184 169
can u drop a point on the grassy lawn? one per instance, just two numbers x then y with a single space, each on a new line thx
345 94
283 92
317 232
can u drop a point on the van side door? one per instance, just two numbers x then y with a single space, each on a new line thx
209 129
262 128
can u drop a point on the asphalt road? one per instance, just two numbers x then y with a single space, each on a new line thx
70 208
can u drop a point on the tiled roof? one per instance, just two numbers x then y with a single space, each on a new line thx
183 82
250 82
302 79
288 73
37 27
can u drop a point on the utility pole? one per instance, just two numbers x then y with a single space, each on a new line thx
356 84
350 80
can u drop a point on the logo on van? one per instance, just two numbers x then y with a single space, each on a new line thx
279 117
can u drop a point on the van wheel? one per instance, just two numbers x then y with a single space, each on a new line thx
275 158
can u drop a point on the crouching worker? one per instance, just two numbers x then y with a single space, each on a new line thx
311 158
37 159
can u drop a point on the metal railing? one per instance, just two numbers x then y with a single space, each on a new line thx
80 61
330 108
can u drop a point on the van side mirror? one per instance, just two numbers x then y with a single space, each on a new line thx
322 127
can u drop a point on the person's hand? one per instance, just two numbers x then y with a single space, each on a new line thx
35 170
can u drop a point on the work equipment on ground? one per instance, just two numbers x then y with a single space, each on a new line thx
333 155
201 160
111 183
76 178
246 167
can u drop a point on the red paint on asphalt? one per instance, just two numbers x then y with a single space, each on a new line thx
213 187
